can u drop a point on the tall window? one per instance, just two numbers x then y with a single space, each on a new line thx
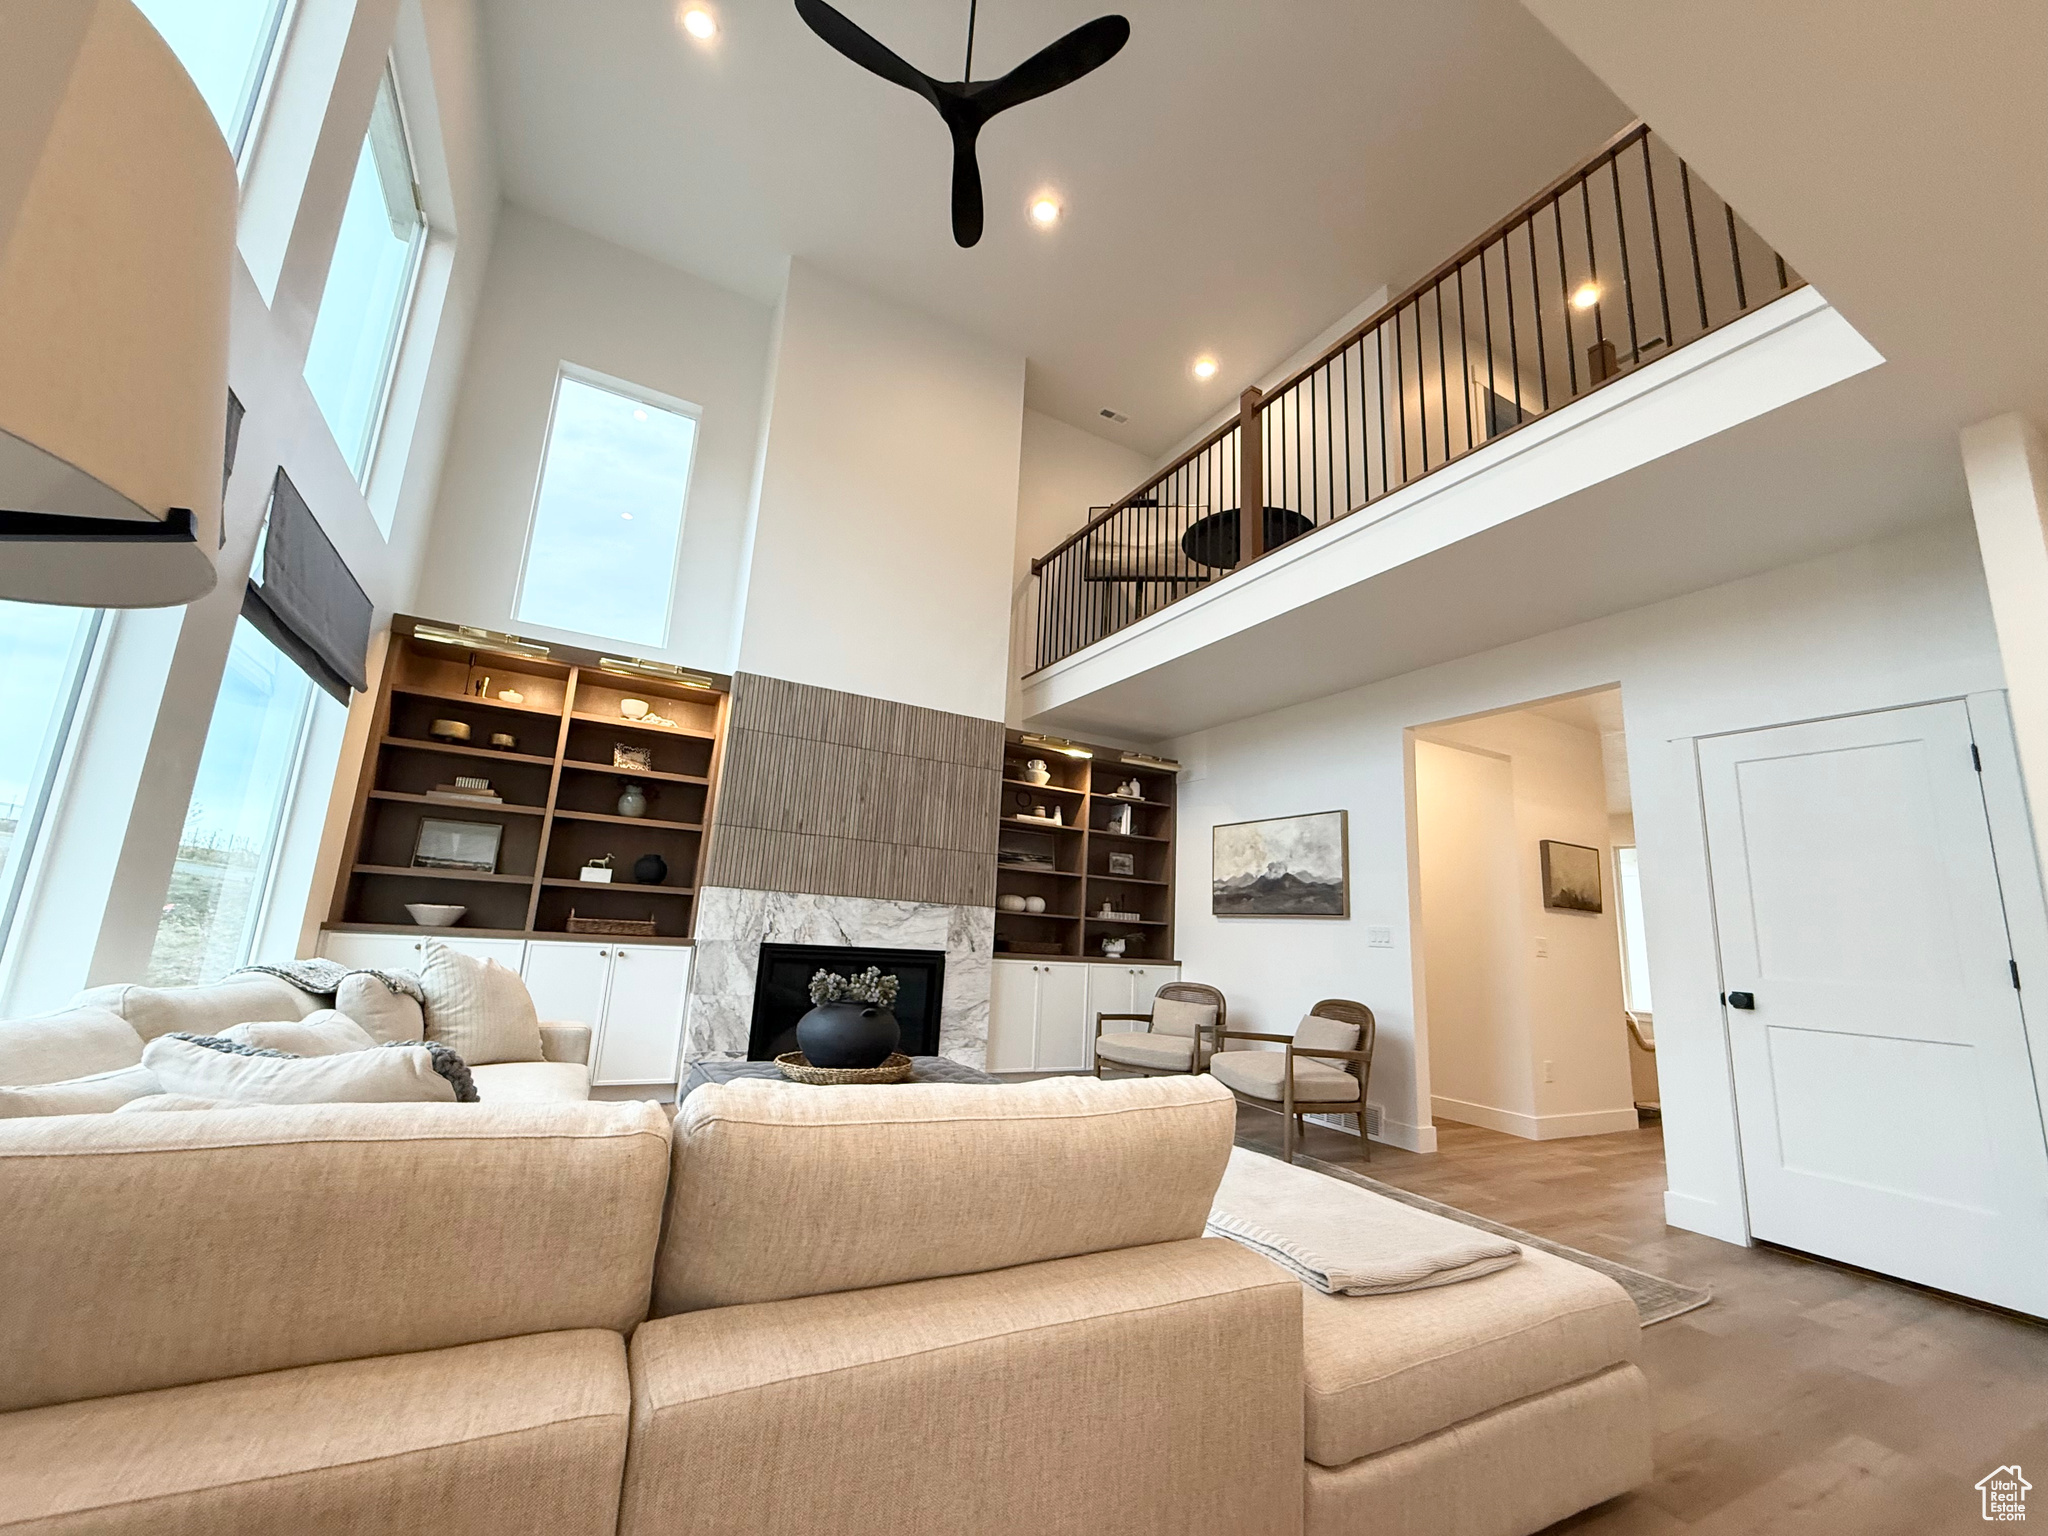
229 844
369 285
1635 949
45 653
608 513
226 46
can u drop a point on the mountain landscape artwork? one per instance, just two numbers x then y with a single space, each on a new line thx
1287 866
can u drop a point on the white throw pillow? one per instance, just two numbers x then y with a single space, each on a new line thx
56 1047
99 1094
397 1074
1326 1034
478 1009
386 1014
1171 1016
326 1033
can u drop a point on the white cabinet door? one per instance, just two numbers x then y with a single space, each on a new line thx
568 981
642 1037
510 953
1109 991
375 951
1064 1023
1012 1015
1146 980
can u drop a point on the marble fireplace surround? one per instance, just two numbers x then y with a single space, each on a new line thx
733 924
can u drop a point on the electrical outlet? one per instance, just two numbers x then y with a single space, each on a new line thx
1549 1073
1379 938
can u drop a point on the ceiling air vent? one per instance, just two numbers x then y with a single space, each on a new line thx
1116 416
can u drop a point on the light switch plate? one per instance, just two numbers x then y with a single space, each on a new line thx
1379 938
1542 947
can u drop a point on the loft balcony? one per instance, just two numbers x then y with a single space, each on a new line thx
1621 313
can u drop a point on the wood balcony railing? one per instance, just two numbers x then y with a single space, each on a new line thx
1615 264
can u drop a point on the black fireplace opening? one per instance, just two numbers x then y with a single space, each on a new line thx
782 992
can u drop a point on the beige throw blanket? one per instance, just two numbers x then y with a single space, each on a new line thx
1343 1240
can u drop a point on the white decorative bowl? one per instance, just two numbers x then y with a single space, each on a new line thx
432 915
633 709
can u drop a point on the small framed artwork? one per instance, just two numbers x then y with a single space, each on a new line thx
1571 877
467 845
1125 864
1287 866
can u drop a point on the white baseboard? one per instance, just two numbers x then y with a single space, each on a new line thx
1410 1138
1691 1213
1593 1122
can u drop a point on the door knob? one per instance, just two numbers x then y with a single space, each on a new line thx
1746 1001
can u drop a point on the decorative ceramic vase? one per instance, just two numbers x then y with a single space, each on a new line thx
1034 903
650 869
1035 772
634 801
1010 903
847 1035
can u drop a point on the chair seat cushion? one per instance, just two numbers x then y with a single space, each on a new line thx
1147 1050
1259 1074
523 1434
1380 1371
532 1082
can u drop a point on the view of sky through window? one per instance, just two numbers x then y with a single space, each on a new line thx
601 557
225 46
232 823
42 649
368 283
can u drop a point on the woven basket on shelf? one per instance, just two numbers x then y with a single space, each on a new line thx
895 1070
621 927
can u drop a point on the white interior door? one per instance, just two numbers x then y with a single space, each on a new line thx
1883 1081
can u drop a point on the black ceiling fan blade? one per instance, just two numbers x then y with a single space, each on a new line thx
1086 48
967 206
870 55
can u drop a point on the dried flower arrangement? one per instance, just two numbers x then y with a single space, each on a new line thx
869 986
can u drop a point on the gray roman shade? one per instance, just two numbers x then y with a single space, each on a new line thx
304 599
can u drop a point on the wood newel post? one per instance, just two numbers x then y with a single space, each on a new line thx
1251 480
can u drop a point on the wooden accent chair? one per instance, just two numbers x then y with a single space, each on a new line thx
1172 1040
1324 1069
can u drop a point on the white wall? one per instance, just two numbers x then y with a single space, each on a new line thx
886 512
1063 472
1561 975
97 886
1890 623
553 295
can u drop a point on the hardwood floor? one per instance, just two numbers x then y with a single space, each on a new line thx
1806 1400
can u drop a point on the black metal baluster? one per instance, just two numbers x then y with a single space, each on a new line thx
1735 253
1564 282
1486 310
1628 286
1536 310
1592 267
1507 267
1692 239
1657 245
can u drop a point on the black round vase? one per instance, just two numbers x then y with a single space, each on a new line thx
650 869
847 1035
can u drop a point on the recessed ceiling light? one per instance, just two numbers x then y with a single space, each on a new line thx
1587 296
639 415
1045 210
626 517
1205 367
699 23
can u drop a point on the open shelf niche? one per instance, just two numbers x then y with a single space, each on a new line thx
553 768
1068 867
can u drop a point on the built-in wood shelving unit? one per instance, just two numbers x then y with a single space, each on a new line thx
1069 864
559 786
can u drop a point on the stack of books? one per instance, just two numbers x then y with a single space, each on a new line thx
467 791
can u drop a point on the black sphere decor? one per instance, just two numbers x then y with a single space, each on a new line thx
650 869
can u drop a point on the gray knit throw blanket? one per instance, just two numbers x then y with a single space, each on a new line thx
323 977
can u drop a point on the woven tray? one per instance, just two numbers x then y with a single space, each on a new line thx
895 1070
623 927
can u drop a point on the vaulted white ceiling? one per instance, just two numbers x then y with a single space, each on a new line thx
1239 177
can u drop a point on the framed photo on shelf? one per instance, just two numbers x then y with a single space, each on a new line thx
465 845
1125 864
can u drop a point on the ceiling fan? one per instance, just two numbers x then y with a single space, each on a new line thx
966 104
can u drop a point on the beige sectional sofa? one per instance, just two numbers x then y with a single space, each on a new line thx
105 1029
929 1308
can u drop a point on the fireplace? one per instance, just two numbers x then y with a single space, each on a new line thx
782 992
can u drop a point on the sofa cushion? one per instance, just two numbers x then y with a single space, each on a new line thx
780 1190
242 999
95 1095
1147 1050
78 1042
1326 1034
1383 1370
523 1434
365 1229
385 1014
326 1033
1261 1074
478 1008
532 1082
403 1074
160 1103
1176 1016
